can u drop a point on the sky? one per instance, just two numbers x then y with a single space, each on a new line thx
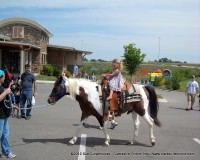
160 28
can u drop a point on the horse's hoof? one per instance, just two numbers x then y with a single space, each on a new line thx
106 144
100 128
153 143
130 143
71 142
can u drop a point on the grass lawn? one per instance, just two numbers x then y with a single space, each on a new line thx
47 78
183 85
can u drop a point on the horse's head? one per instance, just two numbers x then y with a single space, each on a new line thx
59 90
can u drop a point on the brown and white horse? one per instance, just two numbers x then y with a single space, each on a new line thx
86 93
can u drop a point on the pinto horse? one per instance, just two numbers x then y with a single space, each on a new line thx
87 95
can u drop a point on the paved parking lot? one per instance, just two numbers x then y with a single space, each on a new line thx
45 136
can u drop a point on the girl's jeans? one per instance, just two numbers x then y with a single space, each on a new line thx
4 134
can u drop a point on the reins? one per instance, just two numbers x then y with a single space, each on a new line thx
11 100
12 105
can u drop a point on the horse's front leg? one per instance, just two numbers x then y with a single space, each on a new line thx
75 137
103 124
107 137
136 122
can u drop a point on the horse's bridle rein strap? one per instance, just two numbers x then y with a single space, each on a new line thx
53 96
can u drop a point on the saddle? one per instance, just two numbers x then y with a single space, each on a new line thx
130 93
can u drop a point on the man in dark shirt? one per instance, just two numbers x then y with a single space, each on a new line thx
28 90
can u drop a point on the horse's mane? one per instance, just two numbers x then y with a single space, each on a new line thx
73 85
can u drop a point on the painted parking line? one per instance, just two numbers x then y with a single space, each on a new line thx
197 140
82 148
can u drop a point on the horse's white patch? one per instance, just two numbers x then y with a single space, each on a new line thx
73 85
144 97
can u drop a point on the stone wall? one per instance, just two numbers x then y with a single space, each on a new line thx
31 36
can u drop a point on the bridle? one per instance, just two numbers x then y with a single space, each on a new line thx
59 92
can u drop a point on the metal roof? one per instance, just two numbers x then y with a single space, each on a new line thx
68 48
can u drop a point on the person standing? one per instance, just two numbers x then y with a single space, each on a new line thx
85 75
8 78
75 71
15 88
4 127
93 77
28 90
199 102
192 90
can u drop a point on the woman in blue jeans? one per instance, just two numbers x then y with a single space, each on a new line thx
4 127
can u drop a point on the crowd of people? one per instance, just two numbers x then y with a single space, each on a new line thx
19 94
77 73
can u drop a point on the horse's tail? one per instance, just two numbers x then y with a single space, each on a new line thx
153 103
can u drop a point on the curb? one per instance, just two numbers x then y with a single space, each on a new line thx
162 100
45 82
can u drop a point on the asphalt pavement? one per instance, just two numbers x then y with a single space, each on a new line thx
45 136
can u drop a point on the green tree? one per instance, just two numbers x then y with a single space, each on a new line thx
132 58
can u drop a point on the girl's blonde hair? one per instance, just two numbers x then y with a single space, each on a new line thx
119 62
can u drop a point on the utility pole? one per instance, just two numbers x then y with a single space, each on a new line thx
158 48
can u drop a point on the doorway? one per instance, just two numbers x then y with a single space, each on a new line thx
12 61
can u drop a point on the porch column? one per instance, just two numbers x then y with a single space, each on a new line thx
30 58
0 59
22 60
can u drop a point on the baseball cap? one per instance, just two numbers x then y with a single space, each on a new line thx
15 77
2 73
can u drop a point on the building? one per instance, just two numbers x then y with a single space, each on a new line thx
25 41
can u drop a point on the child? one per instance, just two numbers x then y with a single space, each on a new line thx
15 88
116 80
93 77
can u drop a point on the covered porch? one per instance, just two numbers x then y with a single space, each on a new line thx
15 55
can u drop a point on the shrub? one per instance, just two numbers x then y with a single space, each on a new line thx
168 84
175 83
158 80
178 74
68 74
47 70
56 71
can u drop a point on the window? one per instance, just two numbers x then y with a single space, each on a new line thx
43 58
18 32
